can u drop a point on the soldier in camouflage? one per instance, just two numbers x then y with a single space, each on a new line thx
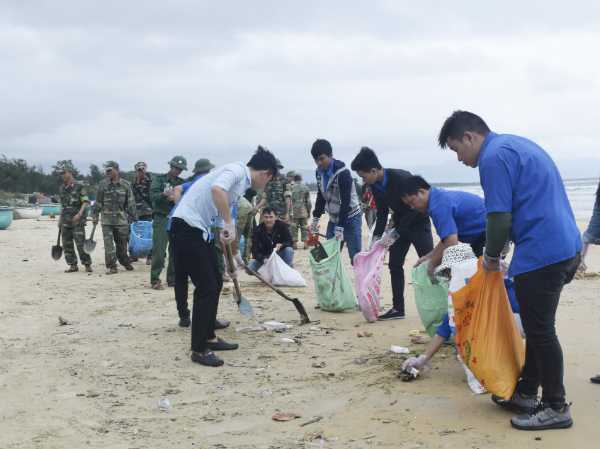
116 202
143 204
74 203
301 207
162 203
277 196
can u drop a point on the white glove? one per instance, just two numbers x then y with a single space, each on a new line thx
493 263
390 237
239 261
415 362
314 225
374 240
339 233
228 232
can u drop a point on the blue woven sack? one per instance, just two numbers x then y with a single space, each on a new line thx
140 238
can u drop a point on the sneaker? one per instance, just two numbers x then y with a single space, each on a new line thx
72 269
185 322
391 314
112 270
544 418
88 269
221 345
206 358
221 324
157 285
129 267
518 403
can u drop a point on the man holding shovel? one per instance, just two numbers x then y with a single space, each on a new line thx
74 202
208 203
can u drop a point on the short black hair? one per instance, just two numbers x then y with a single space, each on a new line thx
458 123
263 159
268 210
365 160
412 185
319 147
298 178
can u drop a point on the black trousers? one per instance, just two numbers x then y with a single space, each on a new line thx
538 293
422 240
196 258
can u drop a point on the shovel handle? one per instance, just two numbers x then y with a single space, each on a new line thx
231 270
93 230
59 234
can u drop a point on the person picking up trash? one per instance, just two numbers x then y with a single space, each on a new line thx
525 201
457 217
271 235
207 203
413 227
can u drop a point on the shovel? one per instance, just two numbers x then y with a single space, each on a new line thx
297 304
89 245
243 305
57 249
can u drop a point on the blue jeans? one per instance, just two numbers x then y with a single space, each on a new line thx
352 234
287 254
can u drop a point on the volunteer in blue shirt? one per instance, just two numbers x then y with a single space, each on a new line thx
457 217
337 195
526 201
207 203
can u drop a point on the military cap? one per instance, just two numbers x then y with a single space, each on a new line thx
140 165
203 165
65 166
290 174
178 162
111 164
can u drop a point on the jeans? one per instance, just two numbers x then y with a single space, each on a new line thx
538 293
352 234
592 233
287 254
422 240
195 257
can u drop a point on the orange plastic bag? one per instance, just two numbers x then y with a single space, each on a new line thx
487 337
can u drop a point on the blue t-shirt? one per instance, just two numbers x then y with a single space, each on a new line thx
519 177
454 212
444 330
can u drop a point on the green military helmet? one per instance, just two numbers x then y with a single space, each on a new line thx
203 166
65 166
290 174
111 165
178 162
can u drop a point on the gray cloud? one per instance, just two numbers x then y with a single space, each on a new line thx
135 80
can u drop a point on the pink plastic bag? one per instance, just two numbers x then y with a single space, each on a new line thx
367 271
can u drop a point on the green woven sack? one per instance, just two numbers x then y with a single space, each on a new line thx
332 285
431 299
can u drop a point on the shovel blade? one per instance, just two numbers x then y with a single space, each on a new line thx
245 307
56 252
89 246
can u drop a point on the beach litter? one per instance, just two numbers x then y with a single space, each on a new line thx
285 416
399 349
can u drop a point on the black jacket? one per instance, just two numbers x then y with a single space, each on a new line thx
263 243
404 217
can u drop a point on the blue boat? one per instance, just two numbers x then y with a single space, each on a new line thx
50 209
6 217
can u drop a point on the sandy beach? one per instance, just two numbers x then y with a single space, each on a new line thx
96 382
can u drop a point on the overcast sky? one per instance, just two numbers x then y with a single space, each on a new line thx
145 79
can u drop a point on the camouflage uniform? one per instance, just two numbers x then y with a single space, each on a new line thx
276 194
160 238
72 197
117 204
141 192
301 206
244 225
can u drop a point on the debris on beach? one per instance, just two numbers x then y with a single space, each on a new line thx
285 416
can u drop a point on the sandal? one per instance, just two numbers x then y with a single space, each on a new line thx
157 285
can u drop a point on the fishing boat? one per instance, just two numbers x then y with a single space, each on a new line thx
6 217
27 212
50 209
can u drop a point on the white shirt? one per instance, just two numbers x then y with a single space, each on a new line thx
197 207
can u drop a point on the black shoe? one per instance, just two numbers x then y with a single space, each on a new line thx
129 267
221 324
133 259
185 322
544 418
391 314
170 283
221 345
595 379
518 403
206 358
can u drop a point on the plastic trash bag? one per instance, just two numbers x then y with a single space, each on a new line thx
487 337
332 285
367 272
431 299
279 273
140 238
